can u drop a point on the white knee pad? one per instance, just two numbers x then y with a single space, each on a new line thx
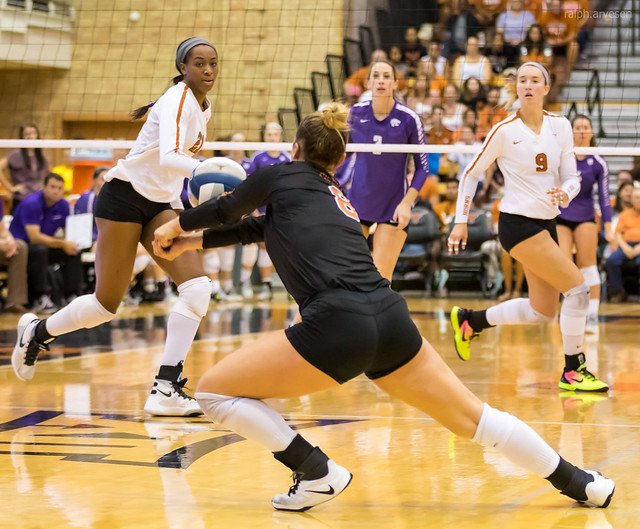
573 313
211 262
591 275
227 256
250 418
495 427
216 407
193 298
264 261
249 255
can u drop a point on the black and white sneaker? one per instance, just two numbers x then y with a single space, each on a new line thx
591 488
25 353
168 399
305 494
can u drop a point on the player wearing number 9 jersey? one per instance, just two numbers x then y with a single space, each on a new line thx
379 188
534 150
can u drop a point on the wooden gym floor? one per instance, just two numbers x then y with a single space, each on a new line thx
77 451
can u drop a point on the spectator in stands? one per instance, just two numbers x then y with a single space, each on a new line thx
622 201
471 64
39 220
460 25
509 96
87 201
624 177
514 23
435 57
460 159
499 55
635 169
561 34
437 135
396 58
23 171
436 81
445 210
13 256
469 119
472 94
412 50
585 23
628 238
534 48
356 83
418 98
487 11
490 114
453 109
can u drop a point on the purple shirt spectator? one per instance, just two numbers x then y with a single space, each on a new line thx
378 181
592 170
86 204
31 177
264 159
515 25
34 210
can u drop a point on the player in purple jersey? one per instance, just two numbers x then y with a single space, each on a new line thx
380 189
577 222
271 133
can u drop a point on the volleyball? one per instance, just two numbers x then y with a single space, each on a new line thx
213 177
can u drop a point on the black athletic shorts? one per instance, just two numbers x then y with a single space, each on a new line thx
513 229
572 224
346 333
369 223
118 201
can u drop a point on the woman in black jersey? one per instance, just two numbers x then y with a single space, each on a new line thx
352 323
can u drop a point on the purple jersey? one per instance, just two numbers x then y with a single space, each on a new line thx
87 204
264 159
378 181
592 170
34 210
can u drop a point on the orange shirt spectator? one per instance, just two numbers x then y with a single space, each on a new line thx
487 11
430 191
559 27
629 225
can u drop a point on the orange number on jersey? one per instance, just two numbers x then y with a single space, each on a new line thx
344 204
541 162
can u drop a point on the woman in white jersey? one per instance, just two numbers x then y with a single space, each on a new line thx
534 150
139 195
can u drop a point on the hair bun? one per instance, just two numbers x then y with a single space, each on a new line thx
334 116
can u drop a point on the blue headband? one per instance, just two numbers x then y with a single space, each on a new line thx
186 46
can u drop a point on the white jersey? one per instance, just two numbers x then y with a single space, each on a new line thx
530 163
163 155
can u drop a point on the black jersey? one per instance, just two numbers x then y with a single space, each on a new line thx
312 232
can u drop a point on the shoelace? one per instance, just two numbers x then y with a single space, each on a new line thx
586 373
296 483
178 388
33 349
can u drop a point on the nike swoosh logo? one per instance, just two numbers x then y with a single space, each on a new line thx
363 120
516 142
328 492
165 394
